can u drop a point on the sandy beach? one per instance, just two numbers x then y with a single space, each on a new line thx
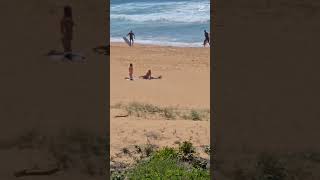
185 75
185 84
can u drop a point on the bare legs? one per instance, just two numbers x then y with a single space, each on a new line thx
66 44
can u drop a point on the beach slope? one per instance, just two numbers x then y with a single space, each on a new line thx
185 85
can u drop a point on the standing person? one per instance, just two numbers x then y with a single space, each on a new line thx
67 29
131 72
207 39
131 37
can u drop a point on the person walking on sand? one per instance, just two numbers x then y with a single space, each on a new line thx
66 26
207 39
131 72
131 37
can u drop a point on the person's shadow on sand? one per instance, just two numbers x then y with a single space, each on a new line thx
147 76
66 57
143 77
105 49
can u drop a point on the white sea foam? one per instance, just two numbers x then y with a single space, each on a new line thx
161 22
183 11
161 43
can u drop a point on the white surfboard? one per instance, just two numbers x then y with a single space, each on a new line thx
126 40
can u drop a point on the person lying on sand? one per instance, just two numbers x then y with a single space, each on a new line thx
148 76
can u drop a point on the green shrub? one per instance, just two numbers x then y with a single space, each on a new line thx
166 153
186 148
165 164
195 115
207 149
270 168
149 149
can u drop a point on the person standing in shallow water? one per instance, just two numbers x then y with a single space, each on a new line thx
207 39
131 37
66 25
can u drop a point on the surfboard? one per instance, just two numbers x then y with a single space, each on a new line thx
126 40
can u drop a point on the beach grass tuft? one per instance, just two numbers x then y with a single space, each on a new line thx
195 115
269 167
170 113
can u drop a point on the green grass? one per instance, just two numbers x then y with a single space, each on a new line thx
266 167
142 110
186 148
197 115
207 149
170 113
149 149
269 167
166 163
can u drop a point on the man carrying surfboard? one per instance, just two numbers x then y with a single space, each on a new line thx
207 39
131 37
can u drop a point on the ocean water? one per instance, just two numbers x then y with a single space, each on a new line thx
161 22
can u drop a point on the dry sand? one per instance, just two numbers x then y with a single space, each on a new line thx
185 75
185 83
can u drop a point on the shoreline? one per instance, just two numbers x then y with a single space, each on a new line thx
176 45
123 44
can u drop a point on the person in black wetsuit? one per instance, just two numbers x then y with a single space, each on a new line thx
131 37
207 39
